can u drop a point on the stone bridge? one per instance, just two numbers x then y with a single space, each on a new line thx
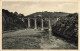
49 19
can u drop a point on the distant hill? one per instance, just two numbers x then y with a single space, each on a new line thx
49 14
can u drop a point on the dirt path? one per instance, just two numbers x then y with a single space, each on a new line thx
56 43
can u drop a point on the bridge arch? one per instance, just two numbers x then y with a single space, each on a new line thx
35 22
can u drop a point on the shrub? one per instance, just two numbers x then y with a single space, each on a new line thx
67 27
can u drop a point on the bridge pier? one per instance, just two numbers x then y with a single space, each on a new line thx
35 23
28 22
42 25
49 24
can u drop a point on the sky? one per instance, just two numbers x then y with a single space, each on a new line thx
29 7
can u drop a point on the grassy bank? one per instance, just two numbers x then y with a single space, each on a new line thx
21 42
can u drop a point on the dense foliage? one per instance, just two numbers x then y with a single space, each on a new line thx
12 21
67 27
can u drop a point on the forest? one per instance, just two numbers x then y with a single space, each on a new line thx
67 27
12 21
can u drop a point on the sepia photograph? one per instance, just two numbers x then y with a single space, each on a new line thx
39 25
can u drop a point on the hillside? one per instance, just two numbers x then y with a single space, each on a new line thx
50 14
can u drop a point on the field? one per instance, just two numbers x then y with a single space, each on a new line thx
33 39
